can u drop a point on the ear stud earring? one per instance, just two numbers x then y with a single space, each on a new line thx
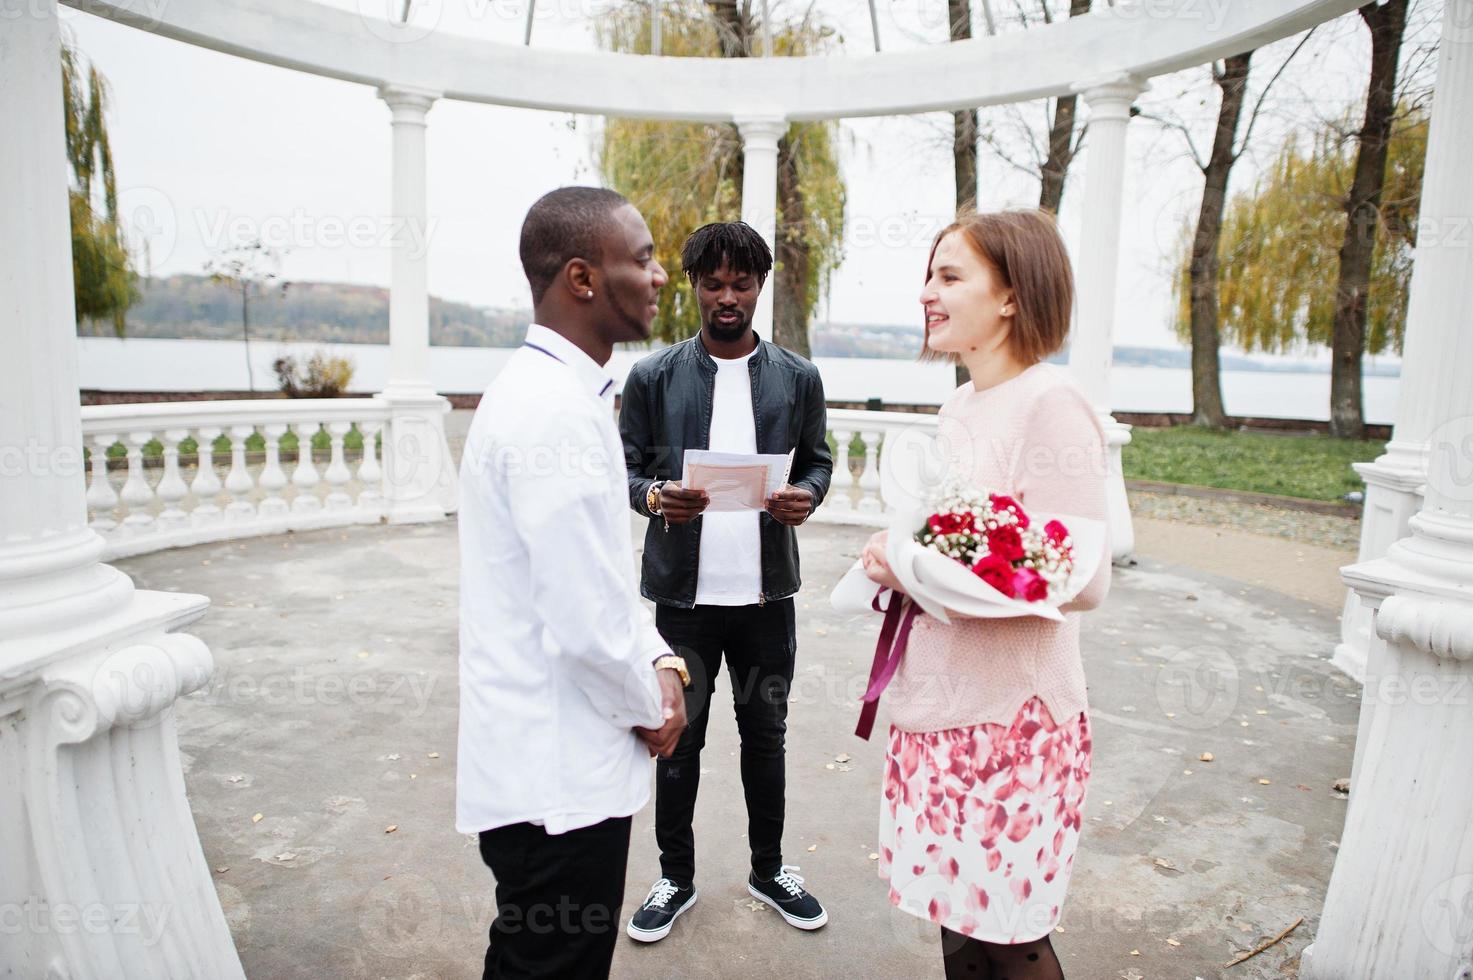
590 294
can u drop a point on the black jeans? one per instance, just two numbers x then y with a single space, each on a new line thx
558 898
759 643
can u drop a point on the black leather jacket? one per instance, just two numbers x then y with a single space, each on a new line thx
667 409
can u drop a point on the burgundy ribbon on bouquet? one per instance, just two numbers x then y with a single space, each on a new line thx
900 614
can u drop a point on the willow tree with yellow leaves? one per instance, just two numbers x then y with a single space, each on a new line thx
1281 243
683 175
103 277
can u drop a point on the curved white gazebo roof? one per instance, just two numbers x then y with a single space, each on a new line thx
1011 67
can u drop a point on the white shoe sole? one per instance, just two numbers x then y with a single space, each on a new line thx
791 920
655 935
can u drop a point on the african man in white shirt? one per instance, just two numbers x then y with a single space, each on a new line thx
566 688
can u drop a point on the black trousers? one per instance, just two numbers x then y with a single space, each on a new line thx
558 898
758 643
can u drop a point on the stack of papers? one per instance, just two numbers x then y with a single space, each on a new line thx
735 481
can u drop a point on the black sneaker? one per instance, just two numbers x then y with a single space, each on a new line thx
666 903
784 892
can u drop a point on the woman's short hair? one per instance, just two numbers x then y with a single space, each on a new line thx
1026 252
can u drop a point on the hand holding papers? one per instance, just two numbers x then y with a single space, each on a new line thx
735 481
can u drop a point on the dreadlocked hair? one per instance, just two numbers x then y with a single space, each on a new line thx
735 244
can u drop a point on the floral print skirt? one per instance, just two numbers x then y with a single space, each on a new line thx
978 825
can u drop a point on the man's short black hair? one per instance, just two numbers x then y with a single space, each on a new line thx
735 244
565 224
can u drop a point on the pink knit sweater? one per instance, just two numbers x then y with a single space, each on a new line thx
1035 437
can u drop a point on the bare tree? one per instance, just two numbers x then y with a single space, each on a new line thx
1062 142
1387 24
1231 78
247 270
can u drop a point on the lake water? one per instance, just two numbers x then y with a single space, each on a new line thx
141 364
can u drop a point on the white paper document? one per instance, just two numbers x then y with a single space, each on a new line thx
735 481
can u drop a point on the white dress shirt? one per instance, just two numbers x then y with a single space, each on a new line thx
729 566
556 650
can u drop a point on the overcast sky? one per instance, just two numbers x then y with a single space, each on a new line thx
210 146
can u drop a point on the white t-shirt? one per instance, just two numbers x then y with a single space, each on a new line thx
729 572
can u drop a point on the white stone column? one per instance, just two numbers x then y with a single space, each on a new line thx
1400 901
760 135
97 833
1394 480
1096 268
419 473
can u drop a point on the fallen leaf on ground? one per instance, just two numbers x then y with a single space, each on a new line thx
392 757
842 757
221 871
1265 782
1206 757
829 766
391 828
1172 942
258 818
873 856
1135 952
1342 786
434 755
286 856
812 848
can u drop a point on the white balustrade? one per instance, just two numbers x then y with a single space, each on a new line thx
337 474
171 489
101 497
206 484
183 510
370 474
273 477
238 482
304 476
136 492
861 501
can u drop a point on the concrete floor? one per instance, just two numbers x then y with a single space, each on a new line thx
332 715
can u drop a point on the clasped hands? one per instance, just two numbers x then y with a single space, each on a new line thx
788 505
661 741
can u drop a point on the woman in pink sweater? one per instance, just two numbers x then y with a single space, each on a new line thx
989 749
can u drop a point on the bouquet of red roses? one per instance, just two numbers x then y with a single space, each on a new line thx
978 553
993 536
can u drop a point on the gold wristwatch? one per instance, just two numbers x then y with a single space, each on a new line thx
652 498
672 662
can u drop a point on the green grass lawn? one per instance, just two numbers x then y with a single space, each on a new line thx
1315 467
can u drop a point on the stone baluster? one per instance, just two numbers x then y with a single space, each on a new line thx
337 473
869 480
370 474
273 477
206 483
839 497
304 476
238 482
137 494
172 489
101 497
